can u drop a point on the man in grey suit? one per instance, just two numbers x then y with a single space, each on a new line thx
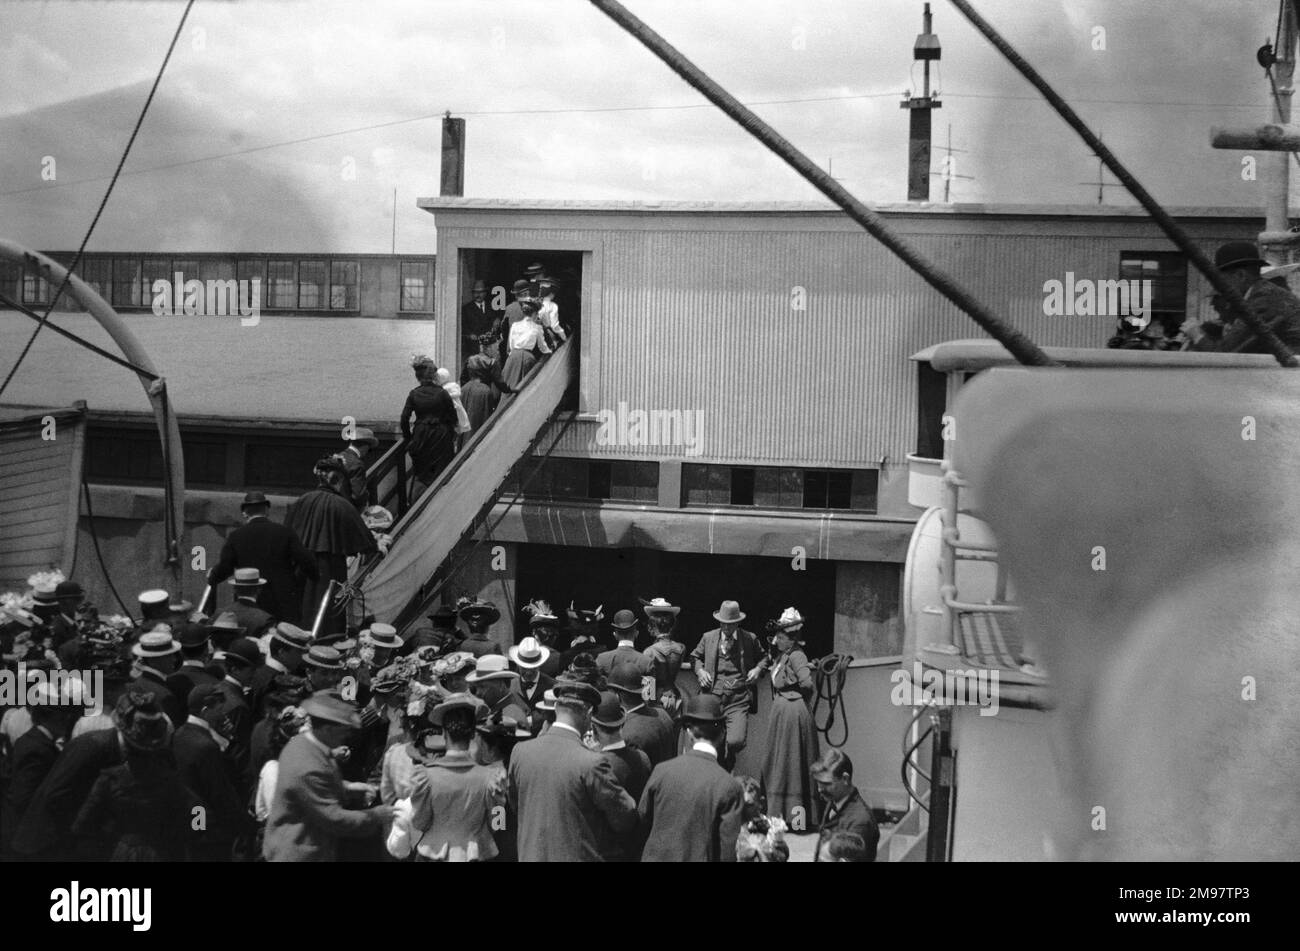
569 803
311 810
728 662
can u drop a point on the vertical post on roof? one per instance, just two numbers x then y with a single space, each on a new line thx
168 429
1277 212
453 157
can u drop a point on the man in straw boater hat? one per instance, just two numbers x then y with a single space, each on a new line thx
569 803
63 626
324 667
277 554
156 659
248 584
1276 307
448 816
728 662
497 685
285 652
313 811
528 656
155 609
624 653
692 808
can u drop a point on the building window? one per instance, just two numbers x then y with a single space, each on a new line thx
98 273
126 282
155 269
932 398
343 285
188 268
284 464
311 285
1167 272
282 286
559 479
10 277
779 488
134 456
415 286
36 289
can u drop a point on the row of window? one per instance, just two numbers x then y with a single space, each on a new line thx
766 487
319 284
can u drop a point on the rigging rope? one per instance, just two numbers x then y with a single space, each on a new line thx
1020 346
9 302
103 202
1167 224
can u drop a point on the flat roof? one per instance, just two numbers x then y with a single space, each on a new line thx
301 369
980 353
444 203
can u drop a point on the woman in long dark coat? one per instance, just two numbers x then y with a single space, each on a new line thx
791 734
331 530
141 811
431 441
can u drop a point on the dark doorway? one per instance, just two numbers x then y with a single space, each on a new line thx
498 269
698 583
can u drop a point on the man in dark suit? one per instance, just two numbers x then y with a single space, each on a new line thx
313 810
846 810
34 756
476 318
197 748
631 768
194 640
624 652
528 656
233 719
569 803
156 659
692 808
275 551
493 682
63 626
44 831
728 662
647 727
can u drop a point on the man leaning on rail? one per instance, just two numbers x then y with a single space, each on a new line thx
1275 306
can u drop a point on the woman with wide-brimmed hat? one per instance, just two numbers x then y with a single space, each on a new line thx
791 734
448 817
140 811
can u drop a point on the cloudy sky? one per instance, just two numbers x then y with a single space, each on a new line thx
265 107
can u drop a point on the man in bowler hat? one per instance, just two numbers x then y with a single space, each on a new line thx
692 808
275 551
1276 307
728 662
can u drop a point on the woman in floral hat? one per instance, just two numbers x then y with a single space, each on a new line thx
791 735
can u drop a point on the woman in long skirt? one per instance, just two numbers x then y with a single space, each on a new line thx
526 344
791 734
431 441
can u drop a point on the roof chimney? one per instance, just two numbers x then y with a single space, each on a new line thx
924 50
453 156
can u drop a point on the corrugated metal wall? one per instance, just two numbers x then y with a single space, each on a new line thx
39 482
707 318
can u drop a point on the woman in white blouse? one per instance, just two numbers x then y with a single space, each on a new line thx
526 343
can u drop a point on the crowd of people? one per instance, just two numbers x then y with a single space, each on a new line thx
243 737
